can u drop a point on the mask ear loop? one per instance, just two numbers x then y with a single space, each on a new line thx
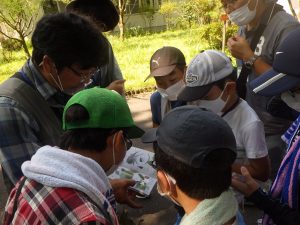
169 180
58 84
173 181
226 86
114 159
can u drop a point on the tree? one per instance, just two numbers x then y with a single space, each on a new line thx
122 6
191 12
18 17
168 9
122 9
207 11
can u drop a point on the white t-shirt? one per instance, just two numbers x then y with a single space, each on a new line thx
248 131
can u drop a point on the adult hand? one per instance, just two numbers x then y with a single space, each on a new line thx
239 48
247 186
118 86
124 195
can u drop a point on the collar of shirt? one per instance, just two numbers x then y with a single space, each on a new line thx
31 72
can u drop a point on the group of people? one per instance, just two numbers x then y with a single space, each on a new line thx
65 124
267 36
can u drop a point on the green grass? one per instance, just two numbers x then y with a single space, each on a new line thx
133 54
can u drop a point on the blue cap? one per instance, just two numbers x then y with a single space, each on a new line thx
189 134
285 73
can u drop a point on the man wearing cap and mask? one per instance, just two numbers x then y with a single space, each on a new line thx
210 84
167 66
194 166
282 203
263 25
69 184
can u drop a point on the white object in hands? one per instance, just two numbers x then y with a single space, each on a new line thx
137 165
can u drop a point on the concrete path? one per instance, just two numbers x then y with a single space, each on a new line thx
156 210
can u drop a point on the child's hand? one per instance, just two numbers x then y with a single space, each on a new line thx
122 192
118 86
247 186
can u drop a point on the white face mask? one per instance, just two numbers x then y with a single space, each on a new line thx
168 194
69 91
114 165
216 106
292 100
243 15
173 91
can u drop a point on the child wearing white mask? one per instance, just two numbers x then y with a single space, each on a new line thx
210 83
194 151
167 66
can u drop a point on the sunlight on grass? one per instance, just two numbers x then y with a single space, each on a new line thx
133 54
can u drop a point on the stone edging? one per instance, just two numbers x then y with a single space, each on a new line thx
131 93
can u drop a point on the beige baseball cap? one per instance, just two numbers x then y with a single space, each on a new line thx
164 61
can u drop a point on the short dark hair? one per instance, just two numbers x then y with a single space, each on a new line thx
231 77
84 138
69 39
209 181
100 11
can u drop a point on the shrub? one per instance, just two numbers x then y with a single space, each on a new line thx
212 33
135 31
11 45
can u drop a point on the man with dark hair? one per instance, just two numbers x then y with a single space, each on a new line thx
263 25
167 66
66 52
194 152
69 185
104 14
210 84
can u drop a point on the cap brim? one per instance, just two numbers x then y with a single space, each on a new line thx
160 72
149 136
135 132
194 93
273 83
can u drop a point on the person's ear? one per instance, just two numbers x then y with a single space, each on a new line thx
163 182
117 140
184 71
47 65
230 89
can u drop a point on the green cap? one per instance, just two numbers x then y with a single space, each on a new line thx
107 109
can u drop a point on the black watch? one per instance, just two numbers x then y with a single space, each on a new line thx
249 63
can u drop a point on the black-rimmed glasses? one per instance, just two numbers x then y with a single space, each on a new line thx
84 78
127 140
153 164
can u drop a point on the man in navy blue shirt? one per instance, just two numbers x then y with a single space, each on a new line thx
167 66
